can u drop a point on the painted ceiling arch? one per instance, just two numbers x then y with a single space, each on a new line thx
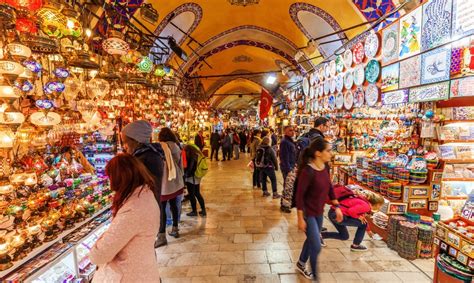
244 86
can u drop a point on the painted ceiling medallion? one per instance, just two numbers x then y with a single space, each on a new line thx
242 59
243 2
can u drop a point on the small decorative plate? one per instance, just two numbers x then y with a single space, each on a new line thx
332 89
339 100
359 75
348 58
371 94
326 102
315 105
311 92
332 68
348 79
359 97
339 82
358 53
306 86
327 71
402 160
339 64
332 101
327 86
314 79
321 74
372 71
348 100
372 44
321 89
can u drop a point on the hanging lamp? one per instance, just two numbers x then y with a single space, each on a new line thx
115 45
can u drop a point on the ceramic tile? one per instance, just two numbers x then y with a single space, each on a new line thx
255 257
386 277
281 256
204 270
243 238
408 277
347 277
243 269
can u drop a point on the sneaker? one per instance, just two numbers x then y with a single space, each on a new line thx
266 194
275 196
323 244
358 248
285 209
203 214
324 229
302 269
161 240
192 213
174 232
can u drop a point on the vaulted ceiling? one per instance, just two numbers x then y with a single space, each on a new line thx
233 39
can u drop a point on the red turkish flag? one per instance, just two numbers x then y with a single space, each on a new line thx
266 102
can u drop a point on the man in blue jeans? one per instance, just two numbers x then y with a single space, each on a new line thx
267 163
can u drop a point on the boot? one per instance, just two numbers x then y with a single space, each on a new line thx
161 240
174 232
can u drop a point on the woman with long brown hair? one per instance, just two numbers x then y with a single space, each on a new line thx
125 252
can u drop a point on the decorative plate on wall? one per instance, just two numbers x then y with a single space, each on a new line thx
339 100
371 94
321 74
315 105
359 75
348 58
306 86
332 68
314 79
339 64
339 82
435 65
410 72
348 79
332 89
390 44
359 97
327 87
348 100
327 71
371 45
358 53
332 102
326 102
311 92
372 71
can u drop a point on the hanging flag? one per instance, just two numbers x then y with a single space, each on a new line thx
266 101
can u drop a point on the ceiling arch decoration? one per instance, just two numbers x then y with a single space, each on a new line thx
223 81
313 22
245 87
373 9
249 32
241 42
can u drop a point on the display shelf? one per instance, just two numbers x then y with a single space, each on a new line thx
376 229
458 160
66 255
457 180
365 187
47 245
455 141
456 121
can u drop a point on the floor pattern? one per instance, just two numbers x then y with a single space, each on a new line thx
245 238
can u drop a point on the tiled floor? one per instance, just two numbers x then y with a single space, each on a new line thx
245 238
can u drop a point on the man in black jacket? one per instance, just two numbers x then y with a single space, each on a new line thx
199 140
321 125
136 138
215 144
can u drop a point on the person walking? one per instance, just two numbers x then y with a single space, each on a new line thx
125 253
236 145
136 138
321 126
254 143
199 140
313 189
267 162
227 145
287 152
354 207
243 140
193 183
173 182
215 144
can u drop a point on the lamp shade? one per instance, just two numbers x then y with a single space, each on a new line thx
45 119
8 92
145 65
72 88
19 50
97 87
73 28
6 137
52 22
29 5
25 25
10 69
115 45
12 118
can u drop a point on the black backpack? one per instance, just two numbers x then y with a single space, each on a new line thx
262 159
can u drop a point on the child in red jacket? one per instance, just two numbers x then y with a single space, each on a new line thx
354 208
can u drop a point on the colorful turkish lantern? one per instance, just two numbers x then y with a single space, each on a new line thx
52 22
115 45
25 25
145 65
29 5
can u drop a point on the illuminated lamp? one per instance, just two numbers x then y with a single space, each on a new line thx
10 69
145 65
18 51
33 66
73 26
73 87
6 137
25 133
45 119
159 71
25 25
115 45
29 5
97 87
52 22
12 118
8 92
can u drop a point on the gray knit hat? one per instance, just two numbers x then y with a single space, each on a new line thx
139 130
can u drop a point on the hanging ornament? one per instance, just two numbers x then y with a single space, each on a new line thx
6 137
115 45
25 25
72 88
97 88
28 5
33 66
61 73
52 22
45 118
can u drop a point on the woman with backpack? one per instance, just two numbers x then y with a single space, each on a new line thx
267 163
313 189
354 208
172 183
195 163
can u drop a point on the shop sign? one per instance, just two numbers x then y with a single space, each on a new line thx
432 92
395 97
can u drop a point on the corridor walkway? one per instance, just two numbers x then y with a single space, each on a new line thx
245 238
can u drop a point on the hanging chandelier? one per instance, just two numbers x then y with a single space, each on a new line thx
243 2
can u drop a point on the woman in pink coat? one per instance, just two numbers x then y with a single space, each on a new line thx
125 252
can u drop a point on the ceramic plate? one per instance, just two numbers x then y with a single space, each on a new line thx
372 71
390 44
321 89
327 86
314 79
359 97
371 94
348 79
332 89
371 45
311 92
327 71
332 68
358 53
315 105
348 100
332 102
339 82
359 75
326 102
339 64
348 58
306 86
321 74
339 100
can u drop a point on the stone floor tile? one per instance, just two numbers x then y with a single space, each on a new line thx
262 238
204 270
243 238
185 259
232 247
278 256
177 280
385 277
347 277
266 278
173 271
245 269
215 258
409 277
255 257
353 266
217 279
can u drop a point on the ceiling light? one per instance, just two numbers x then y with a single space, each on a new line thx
88 32
271 79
